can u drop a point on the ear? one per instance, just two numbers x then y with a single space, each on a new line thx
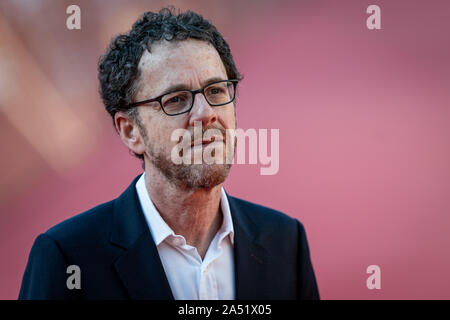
129 132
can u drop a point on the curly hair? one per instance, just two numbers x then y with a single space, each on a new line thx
118 71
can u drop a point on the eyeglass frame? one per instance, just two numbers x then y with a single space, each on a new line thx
193 92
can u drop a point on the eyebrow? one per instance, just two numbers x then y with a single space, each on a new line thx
178 87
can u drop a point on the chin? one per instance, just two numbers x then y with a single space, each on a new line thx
204 176
190 176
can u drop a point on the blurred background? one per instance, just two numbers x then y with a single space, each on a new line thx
363 118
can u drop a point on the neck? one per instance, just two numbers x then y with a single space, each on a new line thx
194 214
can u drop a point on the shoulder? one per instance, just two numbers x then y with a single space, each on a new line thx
265 218
86 227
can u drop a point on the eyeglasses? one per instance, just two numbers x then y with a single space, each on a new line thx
217 93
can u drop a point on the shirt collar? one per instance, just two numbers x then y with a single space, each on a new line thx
160 230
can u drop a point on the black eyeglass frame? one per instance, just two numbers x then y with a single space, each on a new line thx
193 92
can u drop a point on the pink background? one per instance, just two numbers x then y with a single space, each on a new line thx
363 118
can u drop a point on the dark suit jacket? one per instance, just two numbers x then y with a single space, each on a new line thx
118 259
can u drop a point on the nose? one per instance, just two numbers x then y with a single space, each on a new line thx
202 111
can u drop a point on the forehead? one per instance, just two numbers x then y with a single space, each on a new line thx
190 62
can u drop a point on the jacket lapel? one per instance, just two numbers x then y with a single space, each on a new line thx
139 267
251 259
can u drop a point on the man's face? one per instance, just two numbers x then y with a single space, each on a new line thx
188 64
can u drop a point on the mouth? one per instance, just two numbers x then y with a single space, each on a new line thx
205 142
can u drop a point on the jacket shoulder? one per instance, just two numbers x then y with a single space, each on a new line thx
84 227
264 217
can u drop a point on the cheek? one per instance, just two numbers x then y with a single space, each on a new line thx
161 132
229 118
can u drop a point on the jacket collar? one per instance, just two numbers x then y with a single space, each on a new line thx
160 230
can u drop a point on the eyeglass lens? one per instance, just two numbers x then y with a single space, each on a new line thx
219 93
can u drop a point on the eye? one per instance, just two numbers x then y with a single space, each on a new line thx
215 90
175 99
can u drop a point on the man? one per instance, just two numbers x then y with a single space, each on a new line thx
174 233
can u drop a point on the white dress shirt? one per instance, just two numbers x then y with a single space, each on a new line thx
190 277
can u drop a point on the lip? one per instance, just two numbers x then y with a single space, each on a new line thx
206 141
